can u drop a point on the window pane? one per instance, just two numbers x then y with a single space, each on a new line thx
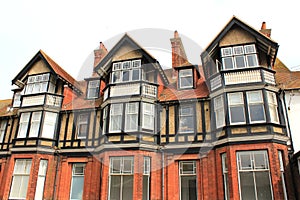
148 116
227 63
250 49
24 120
115 187
128 165
238 50
116 165
252 60
49 125
247 186
35 124
185 78
125 76
188 188
41 180
77 187
240 61
226 51
136 74
116 77
263 186
245 161
237 114
127 190
2 129
235 98
260 161
146 187
257 112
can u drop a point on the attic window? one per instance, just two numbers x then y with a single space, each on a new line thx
126 71
185 78
39 83
93 89
239 57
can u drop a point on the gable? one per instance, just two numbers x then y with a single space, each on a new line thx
235 36
38 67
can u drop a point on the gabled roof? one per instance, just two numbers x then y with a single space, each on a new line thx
286 79
264 42
104 65
53 67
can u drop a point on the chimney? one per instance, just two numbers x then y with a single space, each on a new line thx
264 30
98 55
178 53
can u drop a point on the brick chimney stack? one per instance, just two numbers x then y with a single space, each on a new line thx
264 29
178 53
98 55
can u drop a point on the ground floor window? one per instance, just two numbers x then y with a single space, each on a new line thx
225 176
20 179
121 178
77 181
188 186
254 175
146 178
39 191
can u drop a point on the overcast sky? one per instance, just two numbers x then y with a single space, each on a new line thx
69 30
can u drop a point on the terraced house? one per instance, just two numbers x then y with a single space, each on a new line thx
134 130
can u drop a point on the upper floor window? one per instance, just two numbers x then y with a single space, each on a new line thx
185 78
3 124
126 71
31 123
17 99
273 107
186 119
256 106
239 57
40 83
93 89
82 125
219 111
236 108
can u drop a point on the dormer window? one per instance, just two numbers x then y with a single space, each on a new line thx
185 78
239 57
93 89
39 83
126 71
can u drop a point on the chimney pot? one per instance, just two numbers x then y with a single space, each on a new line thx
263 26
176 35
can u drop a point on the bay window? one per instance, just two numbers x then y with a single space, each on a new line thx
188 180
186 119
20 180
239 57
254 175
121 178
77 182
236 108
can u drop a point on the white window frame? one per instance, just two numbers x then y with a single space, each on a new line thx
219 111
35 124
232 104
38 84
80 175
22 170
104 119
3 126
121 171
146 178
183 116
49 125
131 116
17 99
225 176
186 74
93 89
235 52
273 107
148 116
253 102
40 184
282 174
253 167
183 173
23 125
116 113
82 120
129 66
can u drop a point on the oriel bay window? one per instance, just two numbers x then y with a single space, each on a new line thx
126 71
129 117
239 57
254 175
188 180
186 118
31 123
20 179
121 178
